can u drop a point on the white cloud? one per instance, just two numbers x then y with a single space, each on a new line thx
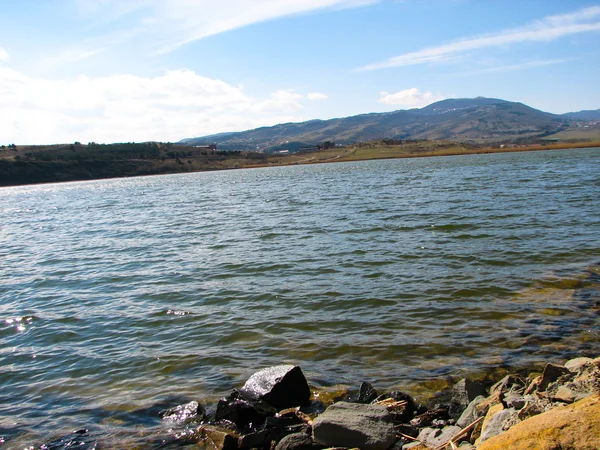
3 54
412 98
120 108
316 96
546 29
513 67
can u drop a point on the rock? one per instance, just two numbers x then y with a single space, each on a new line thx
463 393
498 423
575 426
551 373
577 363
242 413
534 385
465 445
265 437
400 414
510 383
515 401
343 424
184 413
435 437
297 441
216 439
416 445
366 393
470 414
280 386
564 395
427 418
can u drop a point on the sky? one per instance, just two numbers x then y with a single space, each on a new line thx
164 70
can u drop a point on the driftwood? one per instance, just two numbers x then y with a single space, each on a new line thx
452 441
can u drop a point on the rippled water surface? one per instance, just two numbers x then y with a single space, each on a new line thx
119 297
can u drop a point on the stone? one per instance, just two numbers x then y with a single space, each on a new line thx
575 426
577 363
552 373
280 386
242 413
343 424
435 437
498 423
463 393
404 413
184 413
216 438
427 418
515 401
564 394
297 441
366 393
510 383
265 437
470 414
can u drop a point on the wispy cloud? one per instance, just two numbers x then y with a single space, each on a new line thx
546 29
412 98
316 96
71 56
514 67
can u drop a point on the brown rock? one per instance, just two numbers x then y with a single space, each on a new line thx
575 427
216 438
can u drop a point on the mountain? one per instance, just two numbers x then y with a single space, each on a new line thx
588 115
482 120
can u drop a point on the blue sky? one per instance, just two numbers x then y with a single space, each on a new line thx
139 70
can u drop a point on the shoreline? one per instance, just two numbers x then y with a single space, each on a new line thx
283 162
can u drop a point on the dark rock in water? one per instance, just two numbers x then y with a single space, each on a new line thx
463 393
298 441
280 386
241 412
265 437
354 425
366 393
426 419
183 413
551 373
80 439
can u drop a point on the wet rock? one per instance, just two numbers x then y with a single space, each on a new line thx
551 373
242 413
435 437
575 426
366 393
216 439
498 423
343 424
280 386
298 441
574 365
463 393
427 418
470 414
184 413
265 437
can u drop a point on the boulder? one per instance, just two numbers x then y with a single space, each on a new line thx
463 393
552 373
242 413
498 423
343 424
184 413
470 414
216 438
435 437
297 441
575 426
280 386
577 363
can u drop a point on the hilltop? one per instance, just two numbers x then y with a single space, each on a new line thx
478 121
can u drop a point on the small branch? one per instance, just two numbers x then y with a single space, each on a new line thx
466 429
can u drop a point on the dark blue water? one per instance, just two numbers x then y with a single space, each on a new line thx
120 295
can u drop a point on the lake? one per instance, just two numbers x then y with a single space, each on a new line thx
125 296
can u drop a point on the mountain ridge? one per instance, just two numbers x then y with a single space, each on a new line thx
479 119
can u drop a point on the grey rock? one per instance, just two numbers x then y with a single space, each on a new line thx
465 445
500 422
463 393
411 445
344 424
510 383
434 437
515 401
281 386
184 413
552 373
577 363
297 441
470 414
366 393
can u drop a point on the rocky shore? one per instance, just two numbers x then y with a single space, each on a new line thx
557 409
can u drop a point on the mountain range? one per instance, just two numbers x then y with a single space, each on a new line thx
477 120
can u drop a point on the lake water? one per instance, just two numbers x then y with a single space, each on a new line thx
121 297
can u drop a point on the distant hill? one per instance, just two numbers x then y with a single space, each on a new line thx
588 115
478 120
